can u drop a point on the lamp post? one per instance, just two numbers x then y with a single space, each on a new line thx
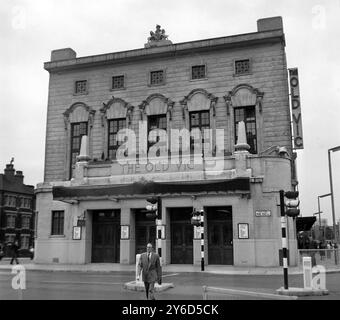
319 212
335 236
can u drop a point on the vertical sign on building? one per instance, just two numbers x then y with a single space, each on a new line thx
296 108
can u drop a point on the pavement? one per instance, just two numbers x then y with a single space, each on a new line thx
117 267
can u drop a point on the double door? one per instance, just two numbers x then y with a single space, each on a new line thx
106 236
181 236
220 235
145 231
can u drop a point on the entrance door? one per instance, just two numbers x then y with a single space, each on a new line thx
220 235
106 236
145 231
182 233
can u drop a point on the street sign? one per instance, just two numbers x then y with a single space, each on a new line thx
263 213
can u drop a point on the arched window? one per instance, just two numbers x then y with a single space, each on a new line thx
244 103
78 119
116 115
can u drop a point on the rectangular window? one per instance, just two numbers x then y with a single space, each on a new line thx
81 87
10 223
156 77
156 122
242 66
78 130
198 72
25 222
9 238
199 120
113 144
118 82
247 114
25 241
10 201
57 223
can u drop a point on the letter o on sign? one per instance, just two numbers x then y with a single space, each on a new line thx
294 81
298 142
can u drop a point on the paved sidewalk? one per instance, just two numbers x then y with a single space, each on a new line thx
172 268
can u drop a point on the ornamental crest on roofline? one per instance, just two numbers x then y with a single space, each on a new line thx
157 38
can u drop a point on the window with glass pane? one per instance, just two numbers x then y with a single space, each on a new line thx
10 221
113 144
25 222
25 239
57 223
156 122
242 66
247 114
198 72
156 77
200 120
78 130
118 82
81 87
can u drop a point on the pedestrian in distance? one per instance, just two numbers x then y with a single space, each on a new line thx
149 264
15 249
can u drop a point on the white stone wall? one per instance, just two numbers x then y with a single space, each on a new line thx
269 75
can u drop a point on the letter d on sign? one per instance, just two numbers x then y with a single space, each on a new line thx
19 280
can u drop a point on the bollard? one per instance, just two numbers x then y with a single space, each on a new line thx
307 273
141 274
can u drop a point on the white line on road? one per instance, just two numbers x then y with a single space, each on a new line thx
72 282
170 275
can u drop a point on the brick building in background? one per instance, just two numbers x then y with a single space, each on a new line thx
16 209
214 83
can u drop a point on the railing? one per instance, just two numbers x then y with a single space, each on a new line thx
325 257
233 294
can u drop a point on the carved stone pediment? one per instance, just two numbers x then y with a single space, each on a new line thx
157 104
244 95
79 112
116 108
199 99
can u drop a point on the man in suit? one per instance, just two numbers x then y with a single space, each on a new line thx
150 265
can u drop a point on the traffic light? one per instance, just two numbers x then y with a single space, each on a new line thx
292 203
154 208
196 218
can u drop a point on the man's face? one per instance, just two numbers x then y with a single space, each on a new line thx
149 248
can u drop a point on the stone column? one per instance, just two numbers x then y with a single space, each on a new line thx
127 246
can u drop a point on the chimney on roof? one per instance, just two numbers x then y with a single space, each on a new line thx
268 24
63 54
9 171
19 176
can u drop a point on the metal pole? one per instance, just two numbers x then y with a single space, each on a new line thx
320 226
202 240
284 239
332 200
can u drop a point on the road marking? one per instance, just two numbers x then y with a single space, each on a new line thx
72 282
170 275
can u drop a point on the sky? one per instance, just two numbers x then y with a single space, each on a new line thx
30 29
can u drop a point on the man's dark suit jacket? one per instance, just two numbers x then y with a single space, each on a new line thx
152 271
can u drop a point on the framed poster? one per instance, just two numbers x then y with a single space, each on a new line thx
197 232
125 232
76 233
161 232
243 231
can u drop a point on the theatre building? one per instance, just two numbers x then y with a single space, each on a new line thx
92 203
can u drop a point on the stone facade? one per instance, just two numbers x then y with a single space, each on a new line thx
264 86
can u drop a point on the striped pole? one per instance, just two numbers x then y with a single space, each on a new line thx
202 240
284 239
159 229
